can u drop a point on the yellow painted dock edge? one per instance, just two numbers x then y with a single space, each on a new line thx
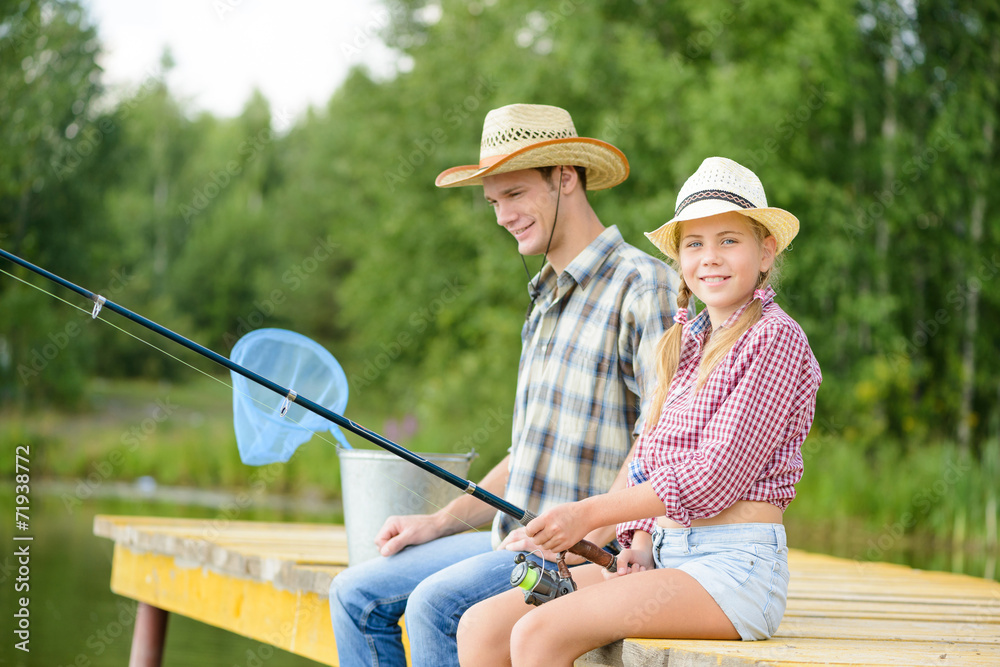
840 611
298 622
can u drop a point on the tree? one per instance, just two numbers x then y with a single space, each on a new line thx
51 176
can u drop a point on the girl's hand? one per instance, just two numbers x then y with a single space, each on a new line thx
559 528
517 540
631 561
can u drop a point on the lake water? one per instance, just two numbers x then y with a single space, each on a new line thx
75 619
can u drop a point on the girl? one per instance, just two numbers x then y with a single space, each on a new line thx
716 464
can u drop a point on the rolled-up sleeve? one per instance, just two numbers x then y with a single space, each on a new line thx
741 437
636 475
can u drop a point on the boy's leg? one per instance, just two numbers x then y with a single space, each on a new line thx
367 600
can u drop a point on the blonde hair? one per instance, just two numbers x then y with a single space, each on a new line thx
668 350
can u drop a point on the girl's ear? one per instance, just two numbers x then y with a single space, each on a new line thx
768 247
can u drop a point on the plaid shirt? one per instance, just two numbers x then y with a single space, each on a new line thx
740 437
587 356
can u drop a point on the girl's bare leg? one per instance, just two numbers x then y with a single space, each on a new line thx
656 603
484 631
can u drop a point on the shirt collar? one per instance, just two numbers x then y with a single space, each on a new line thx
584 266
701 323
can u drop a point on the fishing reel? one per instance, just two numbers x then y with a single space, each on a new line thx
541 585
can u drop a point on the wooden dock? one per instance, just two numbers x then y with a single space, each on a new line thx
269 582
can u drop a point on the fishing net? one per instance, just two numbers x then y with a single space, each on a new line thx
291 360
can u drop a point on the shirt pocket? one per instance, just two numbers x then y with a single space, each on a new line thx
593 344
587 371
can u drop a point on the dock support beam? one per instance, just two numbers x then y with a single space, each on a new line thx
148 637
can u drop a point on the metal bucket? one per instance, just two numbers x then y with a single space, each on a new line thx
377 484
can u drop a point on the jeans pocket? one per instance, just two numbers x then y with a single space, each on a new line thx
777 591
741 563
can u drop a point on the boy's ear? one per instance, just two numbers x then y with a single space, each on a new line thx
568 178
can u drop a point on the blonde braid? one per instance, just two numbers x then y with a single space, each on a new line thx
668 355
723 339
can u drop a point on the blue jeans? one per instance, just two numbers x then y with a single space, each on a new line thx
433 583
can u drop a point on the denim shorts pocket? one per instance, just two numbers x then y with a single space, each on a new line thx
774 586
738 563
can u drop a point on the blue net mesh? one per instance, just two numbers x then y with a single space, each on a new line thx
298 363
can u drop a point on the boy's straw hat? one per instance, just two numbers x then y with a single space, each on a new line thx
523 136
721 185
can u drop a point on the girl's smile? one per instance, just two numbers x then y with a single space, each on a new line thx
721 260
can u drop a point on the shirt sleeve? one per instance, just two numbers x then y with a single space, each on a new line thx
743 434
644 322
636 475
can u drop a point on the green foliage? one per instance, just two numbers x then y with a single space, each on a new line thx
894 490
873 122
52 171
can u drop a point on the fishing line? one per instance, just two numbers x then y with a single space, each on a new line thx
544 560
533 287
223 383
124 331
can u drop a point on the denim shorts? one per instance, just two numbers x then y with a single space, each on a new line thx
743 566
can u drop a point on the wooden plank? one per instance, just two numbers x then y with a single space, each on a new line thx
889 629
643 652
170 535
166 523
914 586
912 591
860 609
296 622
260 561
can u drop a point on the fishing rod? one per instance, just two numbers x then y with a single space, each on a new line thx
527 577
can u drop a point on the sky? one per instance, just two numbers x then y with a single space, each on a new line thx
297 52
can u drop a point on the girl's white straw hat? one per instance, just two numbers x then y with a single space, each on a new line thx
523 136
722 185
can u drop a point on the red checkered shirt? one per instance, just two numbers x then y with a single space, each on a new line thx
740 436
